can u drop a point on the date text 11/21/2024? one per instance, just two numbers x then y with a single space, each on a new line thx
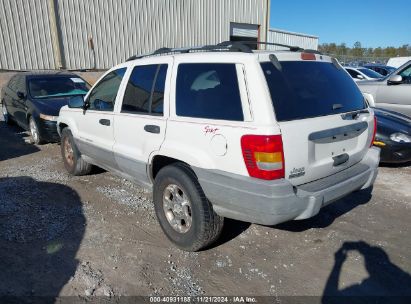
203 299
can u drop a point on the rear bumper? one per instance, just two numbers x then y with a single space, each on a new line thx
273 202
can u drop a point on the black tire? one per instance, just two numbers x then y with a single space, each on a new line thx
34 132
6 115
206 225
73 163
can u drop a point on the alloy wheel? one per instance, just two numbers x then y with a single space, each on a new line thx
177 208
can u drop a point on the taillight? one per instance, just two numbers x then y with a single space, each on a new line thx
374 132
263 156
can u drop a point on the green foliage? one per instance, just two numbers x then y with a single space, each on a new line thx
358 51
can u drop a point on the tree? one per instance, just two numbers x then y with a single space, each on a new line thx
357 51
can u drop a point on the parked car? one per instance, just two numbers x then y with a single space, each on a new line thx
384 70
33 101
393 136
392 92
360 73
222 131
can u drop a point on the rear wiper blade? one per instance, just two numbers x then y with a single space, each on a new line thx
276 63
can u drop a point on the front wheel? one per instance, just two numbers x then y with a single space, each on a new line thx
73 162
34 132
183 211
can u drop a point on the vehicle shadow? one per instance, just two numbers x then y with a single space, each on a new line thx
232 229
330 213
13 143
41 228
385 279
401 165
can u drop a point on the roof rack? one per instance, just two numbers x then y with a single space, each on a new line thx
226 46
233 47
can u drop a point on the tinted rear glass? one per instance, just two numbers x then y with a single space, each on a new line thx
304 89
208 90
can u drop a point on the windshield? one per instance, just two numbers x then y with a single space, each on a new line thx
370 73
311 89
57 86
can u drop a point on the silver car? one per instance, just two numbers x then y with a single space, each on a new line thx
392 92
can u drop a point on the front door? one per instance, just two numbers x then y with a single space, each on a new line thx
397 97
96 137
140 123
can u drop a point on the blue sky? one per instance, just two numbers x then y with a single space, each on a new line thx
372 22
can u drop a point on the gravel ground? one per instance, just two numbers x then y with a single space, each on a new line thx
97 235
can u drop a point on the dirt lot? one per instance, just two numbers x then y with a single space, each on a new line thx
97 235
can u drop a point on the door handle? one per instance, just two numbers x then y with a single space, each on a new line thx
104 122
152 129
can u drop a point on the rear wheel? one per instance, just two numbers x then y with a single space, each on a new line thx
6 116
183 211
34 132
73 162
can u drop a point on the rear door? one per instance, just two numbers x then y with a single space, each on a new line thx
311 100
140 121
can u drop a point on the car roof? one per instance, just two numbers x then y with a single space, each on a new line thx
46 73
229 56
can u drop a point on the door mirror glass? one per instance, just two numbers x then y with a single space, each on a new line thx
76 102
395 79
20 95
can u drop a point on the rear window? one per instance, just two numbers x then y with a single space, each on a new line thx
311 89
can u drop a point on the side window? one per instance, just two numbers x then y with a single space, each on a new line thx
207 90
406 75
157 105
103 95
13 83
21 84
145 90
353 73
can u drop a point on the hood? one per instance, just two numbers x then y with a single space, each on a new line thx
393 121
50 106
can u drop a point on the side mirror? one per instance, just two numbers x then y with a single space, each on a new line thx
21 95
395 79
76 102
360 77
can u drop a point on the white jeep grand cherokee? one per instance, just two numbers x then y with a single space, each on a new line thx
223 131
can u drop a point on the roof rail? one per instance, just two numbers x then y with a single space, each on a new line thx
232 47
226 46
290 47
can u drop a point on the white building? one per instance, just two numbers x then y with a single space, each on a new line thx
97 34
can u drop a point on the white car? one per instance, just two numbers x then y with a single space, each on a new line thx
223 131
360 74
